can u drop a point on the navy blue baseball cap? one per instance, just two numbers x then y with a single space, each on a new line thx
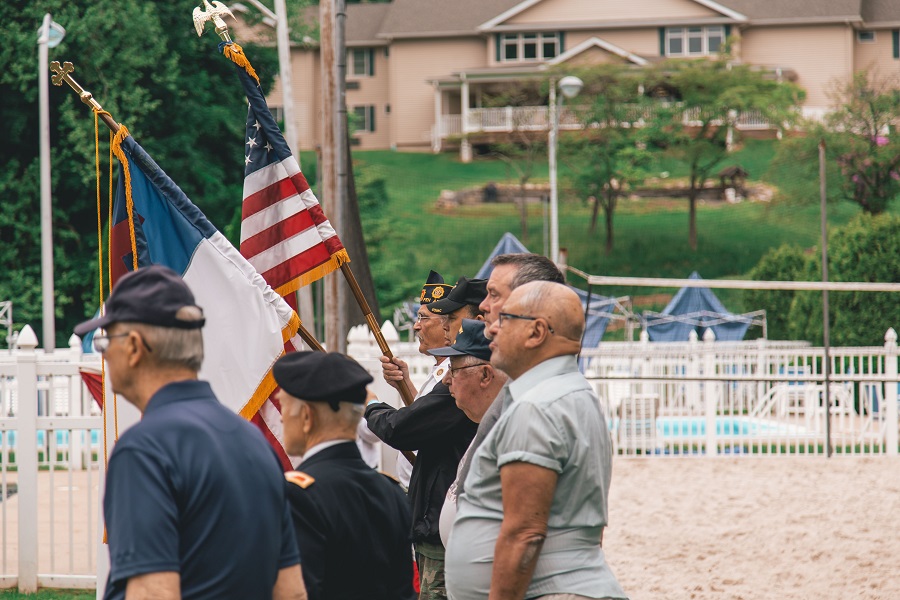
155 295
466 291
470 342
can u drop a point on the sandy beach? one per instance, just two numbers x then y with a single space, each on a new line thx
756 528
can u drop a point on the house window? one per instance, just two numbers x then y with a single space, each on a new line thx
364 118
694 41
277 113
515 47
359 62
865 37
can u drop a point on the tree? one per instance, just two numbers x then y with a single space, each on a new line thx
707 98
785 263
145 64
862 145
865 249
612 153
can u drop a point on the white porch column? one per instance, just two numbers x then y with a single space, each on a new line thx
465 148
437 132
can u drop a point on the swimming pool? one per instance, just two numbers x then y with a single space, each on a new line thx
62 438
691 427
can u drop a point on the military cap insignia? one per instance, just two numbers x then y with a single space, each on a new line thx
438 292
422 296
300 478
460 329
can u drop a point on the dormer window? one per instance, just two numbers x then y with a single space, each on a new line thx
528 47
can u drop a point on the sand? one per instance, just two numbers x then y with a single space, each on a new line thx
748 528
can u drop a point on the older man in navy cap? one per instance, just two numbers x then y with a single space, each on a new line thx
181 482
437 429
352 523
473 383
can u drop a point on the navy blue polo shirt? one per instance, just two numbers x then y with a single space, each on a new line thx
196 489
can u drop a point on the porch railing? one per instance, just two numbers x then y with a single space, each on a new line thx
536 118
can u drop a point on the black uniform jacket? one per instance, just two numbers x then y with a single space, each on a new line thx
441 432
352 527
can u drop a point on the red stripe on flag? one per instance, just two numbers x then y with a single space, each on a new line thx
276 234
276 445
297 265
269 195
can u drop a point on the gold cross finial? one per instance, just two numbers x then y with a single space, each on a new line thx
63 73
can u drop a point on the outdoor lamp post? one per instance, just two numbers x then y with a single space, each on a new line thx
50 35
569 87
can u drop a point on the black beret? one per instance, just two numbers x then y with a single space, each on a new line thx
322 377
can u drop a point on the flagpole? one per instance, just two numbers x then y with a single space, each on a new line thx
63 74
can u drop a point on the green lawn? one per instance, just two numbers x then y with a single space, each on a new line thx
49 595
650 235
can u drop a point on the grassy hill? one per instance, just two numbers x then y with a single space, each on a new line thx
650 234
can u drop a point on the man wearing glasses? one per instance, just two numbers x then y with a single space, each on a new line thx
508 271
474 384
182 480
531 517
433 426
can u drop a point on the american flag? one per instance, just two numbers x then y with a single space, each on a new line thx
284 233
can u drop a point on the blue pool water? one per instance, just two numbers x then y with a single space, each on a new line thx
62 438
682 427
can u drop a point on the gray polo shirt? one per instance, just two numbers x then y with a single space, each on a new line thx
551 418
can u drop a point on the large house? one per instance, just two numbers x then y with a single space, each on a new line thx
416 69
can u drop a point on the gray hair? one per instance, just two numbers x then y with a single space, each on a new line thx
173 346
529 267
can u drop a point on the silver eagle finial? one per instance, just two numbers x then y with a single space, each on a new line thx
214 12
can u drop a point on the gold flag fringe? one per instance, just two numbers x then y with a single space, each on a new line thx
334 263
236 54
268 385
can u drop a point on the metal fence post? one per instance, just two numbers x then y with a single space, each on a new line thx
710 390
891 391
26 458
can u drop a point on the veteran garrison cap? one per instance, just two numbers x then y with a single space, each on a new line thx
322 377
155 295
434 288
470 341
466 291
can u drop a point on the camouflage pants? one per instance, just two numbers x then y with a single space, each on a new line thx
430 558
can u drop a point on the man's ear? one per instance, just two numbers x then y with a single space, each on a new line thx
134 348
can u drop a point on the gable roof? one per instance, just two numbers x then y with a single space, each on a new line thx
788 11
364 22
433 18
524 5
596 42
881 11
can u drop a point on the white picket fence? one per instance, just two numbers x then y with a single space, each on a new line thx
700 398
703 398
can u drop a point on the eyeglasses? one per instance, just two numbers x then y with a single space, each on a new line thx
508 316
101 342
453 370
420 318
